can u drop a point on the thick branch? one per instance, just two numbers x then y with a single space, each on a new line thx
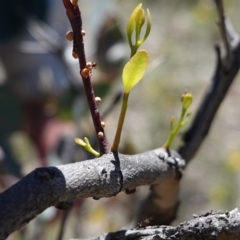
225 73
101 177
211 226
222 80
161 204
194 137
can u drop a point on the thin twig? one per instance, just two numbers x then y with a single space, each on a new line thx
74 16
63 223
233 35
223 31
113 104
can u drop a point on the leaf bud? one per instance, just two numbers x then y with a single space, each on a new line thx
98 100
69 36
186 100
100 134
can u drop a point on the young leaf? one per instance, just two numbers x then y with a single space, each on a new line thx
134 70
86 144
186 102
131 23
148 29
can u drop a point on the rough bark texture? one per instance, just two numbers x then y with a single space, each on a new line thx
101 177
160 207
210 226
225 72
224 75
193 139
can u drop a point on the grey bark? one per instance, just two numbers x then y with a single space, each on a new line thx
101 177
194 137
219 225
225 73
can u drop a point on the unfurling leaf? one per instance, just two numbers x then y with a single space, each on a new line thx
135 24
80 142
134 70
86 144
132 24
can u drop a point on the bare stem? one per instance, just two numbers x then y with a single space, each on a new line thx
74 16
173 132
120 123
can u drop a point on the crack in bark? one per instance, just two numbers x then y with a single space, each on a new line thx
117 161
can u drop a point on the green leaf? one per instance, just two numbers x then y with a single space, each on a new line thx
139 22
134 70
149 24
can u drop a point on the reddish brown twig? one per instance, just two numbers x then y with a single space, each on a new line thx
74 16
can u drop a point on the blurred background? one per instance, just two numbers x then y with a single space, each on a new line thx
43 107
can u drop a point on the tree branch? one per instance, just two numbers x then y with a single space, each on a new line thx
101 177
223 30
161 204
223 78
75 19
217 91
220 225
